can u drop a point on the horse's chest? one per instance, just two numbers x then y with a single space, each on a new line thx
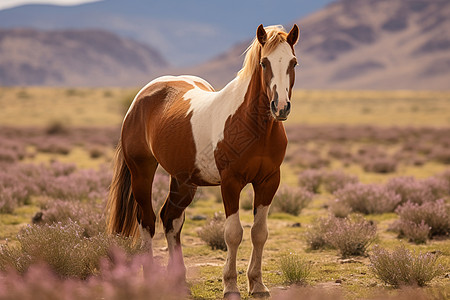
216 151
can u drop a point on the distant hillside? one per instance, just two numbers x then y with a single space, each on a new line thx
363 44
185 32
74 57
349 44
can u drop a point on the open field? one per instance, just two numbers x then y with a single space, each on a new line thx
375 136
36 106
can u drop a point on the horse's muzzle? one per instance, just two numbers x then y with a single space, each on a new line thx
282 114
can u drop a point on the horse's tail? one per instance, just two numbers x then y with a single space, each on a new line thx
122 207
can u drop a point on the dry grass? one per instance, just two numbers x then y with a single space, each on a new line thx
104 106
39 106
294 268
385 108
353 279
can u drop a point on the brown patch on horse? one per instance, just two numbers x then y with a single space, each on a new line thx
204 87
155 127
254 143
168 127
291 72
267 74
168 130
180 196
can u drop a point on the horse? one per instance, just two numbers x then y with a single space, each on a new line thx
202 137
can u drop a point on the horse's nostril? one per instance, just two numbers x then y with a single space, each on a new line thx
273 106
288 106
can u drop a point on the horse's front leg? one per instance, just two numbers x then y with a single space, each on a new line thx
264 192
231 189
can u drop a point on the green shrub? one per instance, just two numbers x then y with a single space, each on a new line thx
403 267
336 180
120 277
88 216
294 268
339 208
213 232
311 180
436 215
246 199
351 236
57 127
416 233
368 198
316 234
291 200
63 247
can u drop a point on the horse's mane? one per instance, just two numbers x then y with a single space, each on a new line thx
275 36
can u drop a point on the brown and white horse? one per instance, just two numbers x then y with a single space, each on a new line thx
201 138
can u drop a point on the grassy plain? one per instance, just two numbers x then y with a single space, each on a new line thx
31 107
37 106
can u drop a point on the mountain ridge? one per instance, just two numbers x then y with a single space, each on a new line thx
186 32
349 44
75 58
362 44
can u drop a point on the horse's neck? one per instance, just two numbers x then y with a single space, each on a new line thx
243 91
256 102
227 101
234 92
249 101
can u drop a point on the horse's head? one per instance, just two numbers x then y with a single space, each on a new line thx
277 63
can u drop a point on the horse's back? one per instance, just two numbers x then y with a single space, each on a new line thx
182 83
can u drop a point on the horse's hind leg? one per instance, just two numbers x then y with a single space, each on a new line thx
172 216
143 170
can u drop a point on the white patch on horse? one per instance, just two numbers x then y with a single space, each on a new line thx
146 239
233 237
210 111
280 59
259 234
171 235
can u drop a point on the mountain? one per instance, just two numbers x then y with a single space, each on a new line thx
74 58
362 44
186 32
349 44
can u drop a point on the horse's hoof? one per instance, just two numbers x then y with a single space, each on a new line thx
260 295
232 296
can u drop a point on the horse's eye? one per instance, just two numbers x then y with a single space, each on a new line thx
262 65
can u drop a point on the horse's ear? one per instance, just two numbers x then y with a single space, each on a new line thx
261 34
292 37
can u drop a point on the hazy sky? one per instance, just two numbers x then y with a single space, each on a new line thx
11 3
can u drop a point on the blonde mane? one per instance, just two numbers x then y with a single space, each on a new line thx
275 36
